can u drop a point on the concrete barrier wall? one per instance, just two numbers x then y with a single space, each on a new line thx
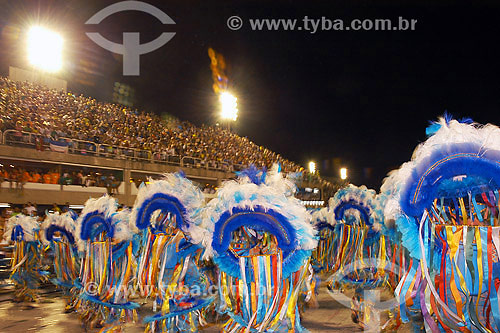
75 194
45 194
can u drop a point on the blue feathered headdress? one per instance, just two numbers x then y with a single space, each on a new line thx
353 204
101 215
460 157
262 201
62 223
21 227
174 193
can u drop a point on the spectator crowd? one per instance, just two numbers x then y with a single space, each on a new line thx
18 176
25 107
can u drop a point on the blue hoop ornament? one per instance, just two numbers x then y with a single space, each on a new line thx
259 205
445 205
164 213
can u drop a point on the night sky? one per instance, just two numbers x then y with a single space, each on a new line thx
362 96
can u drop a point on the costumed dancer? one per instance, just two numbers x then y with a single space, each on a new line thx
393 260
262 242
323 257
446 206
26 264
59 231
168 266
361 254
108 265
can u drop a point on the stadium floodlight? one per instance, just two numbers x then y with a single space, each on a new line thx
312 167
343 173
229 106
45 49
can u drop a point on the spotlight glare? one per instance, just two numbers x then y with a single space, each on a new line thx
343 173
312 167
229 106
45 49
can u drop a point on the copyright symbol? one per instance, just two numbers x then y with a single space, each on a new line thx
234 22
91 288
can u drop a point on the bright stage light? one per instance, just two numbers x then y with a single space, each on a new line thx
229 107
312 167
45 49
343 173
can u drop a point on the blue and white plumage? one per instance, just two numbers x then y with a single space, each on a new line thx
121 223
23 226
319 215
176 193
65 221
271 192
358 202
442 166
103 211
386 226
451 137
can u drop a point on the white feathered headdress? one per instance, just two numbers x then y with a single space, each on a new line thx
353 201
173 193
103 211
65 221
257 190
458 158
21 226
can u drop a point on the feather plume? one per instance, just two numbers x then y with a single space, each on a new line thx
449 137
66 221
360 198
29 226
269 194
180 189
107 207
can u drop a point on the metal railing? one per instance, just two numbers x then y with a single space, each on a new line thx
15 137
83 147
80 147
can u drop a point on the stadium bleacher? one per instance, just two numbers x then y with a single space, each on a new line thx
93 148
42 118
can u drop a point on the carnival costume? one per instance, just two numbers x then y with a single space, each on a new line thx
26 264
446 205
362 253
59 232
323 257
108 264
261 242
168 266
